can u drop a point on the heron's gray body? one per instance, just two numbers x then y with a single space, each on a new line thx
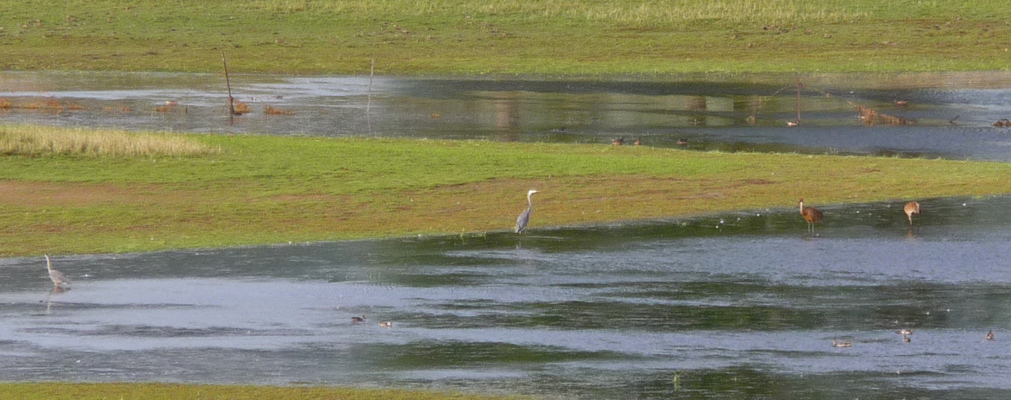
56 276
524 218
521 222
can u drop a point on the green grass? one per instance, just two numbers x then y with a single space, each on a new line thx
158 391
265 189
555 37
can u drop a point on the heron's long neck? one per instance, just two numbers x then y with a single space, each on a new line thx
530 200
48 265
802 207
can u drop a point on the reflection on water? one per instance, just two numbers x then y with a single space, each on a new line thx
738 305
743 113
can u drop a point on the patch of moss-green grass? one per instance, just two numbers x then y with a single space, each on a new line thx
564 37
268 189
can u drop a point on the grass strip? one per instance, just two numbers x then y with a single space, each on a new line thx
165 391
268 189
555 37
26 140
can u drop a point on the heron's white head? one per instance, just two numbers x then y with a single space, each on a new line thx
531 192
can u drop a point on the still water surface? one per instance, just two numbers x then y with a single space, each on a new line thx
709 113
736 305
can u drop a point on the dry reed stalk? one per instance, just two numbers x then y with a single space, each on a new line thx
267 109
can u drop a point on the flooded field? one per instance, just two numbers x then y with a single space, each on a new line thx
736 305
948 115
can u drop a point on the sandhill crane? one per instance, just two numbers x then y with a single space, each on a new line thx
811 215
911 208
524 218
56 276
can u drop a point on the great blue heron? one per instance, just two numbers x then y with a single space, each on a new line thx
521 222
56 276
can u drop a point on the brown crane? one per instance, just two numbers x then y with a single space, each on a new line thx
811 215
912 208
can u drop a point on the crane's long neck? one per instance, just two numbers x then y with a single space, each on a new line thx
48 264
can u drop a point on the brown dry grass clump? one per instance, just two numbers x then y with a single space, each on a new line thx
267 109
46 104
240 108
36 141
871 117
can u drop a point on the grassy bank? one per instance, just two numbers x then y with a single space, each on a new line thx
262 189
593 37
157 391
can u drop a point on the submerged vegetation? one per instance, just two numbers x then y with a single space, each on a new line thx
266 189
37 141
565 37
161 391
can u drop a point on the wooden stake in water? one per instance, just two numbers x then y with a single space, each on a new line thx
368 105
228 84
799 85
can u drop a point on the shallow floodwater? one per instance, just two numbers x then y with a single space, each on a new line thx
953 113
736 305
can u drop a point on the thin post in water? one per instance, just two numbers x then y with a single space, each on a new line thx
228 84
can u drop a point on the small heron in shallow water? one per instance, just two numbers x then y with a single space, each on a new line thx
524 218
56 276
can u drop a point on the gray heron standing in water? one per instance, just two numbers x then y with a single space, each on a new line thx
56 276
521 222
